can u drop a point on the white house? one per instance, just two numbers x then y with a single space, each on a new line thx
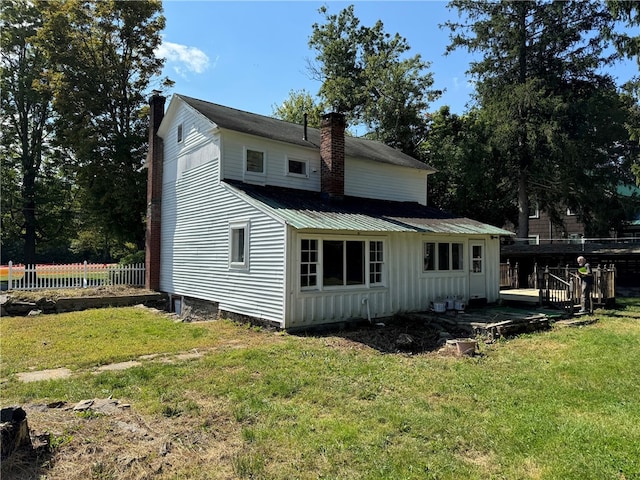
296 226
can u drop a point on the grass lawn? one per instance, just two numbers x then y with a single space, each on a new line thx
563 404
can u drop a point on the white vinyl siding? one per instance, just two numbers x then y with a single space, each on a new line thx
276 158
369 179
406 288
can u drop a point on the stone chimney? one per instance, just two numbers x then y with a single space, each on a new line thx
155 158
332 156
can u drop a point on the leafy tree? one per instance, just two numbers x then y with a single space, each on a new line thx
102 61
293 109
367 75
555 118
469 178
35 192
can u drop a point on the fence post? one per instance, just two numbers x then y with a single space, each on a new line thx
9 280
84 280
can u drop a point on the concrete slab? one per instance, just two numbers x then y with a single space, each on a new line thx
118 366
40 375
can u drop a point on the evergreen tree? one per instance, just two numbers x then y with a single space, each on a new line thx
556 120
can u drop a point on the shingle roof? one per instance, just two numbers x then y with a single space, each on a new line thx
306 210
274 129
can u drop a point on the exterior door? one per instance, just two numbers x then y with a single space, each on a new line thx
477 270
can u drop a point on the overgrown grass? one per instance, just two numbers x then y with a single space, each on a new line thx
563 404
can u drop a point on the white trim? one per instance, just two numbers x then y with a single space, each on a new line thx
288 173
245 150
320 286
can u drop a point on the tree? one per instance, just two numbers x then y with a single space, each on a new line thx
628 46
34 193
367 75
102 62
296 106
469 178
540 87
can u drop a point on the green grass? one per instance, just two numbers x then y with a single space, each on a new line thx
563 404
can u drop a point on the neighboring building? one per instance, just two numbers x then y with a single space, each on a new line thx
297 226
542 229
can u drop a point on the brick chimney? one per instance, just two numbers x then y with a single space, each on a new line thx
155 158
332 156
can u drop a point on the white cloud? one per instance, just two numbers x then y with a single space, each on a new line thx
190 59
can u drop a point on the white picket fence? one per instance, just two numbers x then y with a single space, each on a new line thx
75 275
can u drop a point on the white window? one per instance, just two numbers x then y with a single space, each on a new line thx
239 245
570 212
339 263
309 263
254 161
443 256
376 262
297 168
533 239
179 133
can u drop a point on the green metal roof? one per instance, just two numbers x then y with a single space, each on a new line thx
305 210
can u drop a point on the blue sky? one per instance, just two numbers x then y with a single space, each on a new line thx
250 54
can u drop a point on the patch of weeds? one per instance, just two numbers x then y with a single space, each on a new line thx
249 465
170 411
243 413
100 472
89 414
192 408
57 441
249 435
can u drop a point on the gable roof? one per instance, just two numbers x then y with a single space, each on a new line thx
267 127
306 210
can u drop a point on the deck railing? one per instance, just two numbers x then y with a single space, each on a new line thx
509 275
77 275
560 285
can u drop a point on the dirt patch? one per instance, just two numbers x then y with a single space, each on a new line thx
108 440
399 334
55 294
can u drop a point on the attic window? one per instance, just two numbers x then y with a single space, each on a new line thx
297 168
179 136
254 161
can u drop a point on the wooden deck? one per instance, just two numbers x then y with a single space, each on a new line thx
522 295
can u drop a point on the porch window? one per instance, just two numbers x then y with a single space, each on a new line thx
238 239
308 263
429 263
336 263
343 262
443 256
376 259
